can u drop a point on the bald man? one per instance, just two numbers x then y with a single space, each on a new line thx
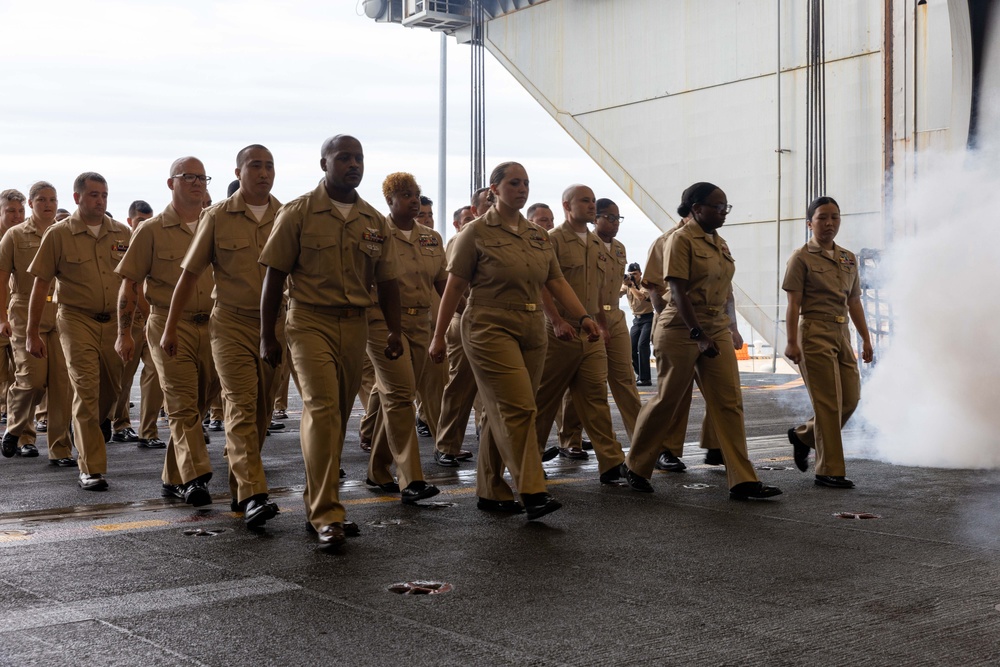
187 377
572 361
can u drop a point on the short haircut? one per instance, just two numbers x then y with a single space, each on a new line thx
38 187
397 182
603 204
12 195
457 215
535 207
426 201
139 206
477 194
233 187
80 184
61 210
241 157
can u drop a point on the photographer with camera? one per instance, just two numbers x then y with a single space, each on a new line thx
642 324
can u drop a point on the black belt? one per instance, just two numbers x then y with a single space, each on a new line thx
103 318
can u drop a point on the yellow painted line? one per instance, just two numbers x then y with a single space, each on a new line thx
797 382
370 501
151 523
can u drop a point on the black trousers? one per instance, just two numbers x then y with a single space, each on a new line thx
642 328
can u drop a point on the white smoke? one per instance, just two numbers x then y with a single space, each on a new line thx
934 397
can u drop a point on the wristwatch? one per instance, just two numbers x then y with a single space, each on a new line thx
584 317
695 333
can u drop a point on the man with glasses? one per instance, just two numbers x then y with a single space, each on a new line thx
80 254
229 238
187 377
572 360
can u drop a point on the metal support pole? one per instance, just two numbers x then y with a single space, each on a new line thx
442 216
777 214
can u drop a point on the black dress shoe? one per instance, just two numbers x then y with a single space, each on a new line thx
418 490
753 491
172 491
613 475
257 511
196 493
106 430
508 506
713 457
670 463
216 425
65 462
445 460
834 482
550 453
538 505
637 481
275 426
575 453
9 445
332 536
463 455
388 487
586 445
350 529
800 450
644 383
234 506
343 473
423 430
28 451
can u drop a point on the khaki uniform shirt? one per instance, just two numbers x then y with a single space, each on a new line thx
639 306
584 264
330 260
705 262
652 275
154 257
826 283
420 262
83 266
17 248
503 265
229 239
617 263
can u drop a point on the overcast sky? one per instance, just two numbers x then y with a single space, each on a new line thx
124 88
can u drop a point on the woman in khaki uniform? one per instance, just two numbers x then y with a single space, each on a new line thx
420 269
821 280
698 268
506 260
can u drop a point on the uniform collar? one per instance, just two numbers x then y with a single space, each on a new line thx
30 226
78 226
237 204
569 234
816 249
169 217
320 202
401 236
493 219
694 229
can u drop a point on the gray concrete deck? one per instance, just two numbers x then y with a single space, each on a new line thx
681 577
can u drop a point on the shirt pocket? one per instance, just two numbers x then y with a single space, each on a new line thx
167 262
319 253
234 256
80 263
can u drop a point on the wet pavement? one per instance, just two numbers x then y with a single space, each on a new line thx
680 577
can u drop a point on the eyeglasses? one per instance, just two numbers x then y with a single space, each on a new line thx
611 218
191 178
721 208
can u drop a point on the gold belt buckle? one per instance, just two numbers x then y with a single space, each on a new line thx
411 311
48 298
841 319
606 307
530 307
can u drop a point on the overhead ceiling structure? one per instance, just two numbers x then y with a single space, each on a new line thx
663 93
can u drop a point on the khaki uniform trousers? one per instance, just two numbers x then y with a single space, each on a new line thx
34 378
95 373
151 395
284 374
580 366
327 353
368 396
621 380
396 382
248 384
719 379
6 372
459 394
506 350
676 430
830 372
430 389
188 380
